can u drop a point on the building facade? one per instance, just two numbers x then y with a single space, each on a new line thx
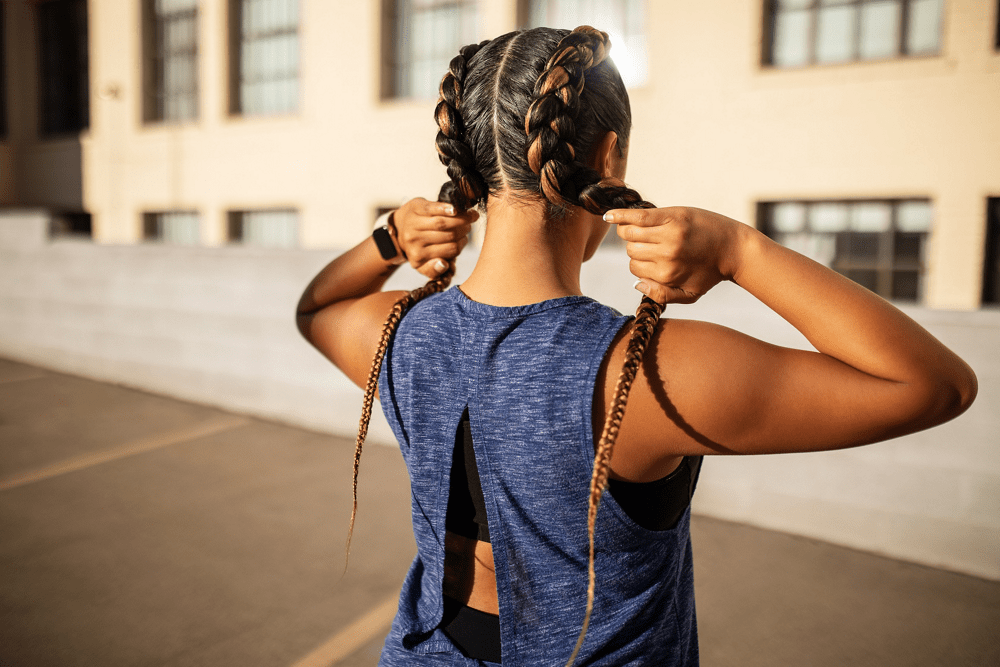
172 172
863 133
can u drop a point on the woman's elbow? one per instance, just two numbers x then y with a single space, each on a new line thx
949 397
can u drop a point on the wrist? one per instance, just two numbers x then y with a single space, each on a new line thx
744 243
387 240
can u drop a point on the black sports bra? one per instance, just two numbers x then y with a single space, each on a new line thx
656 505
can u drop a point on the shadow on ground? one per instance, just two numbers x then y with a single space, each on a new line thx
139 530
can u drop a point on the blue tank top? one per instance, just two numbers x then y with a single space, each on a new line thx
527 375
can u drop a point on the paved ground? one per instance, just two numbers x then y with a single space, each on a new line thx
138 530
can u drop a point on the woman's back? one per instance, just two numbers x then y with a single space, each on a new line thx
526 375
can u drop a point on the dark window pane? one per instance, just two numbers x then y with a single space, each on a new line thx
64 80
906 285
991 263
77 225
857 248
3 75
864 277
908 247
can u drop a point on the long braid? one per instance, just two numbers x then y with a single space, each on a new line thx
463 191
564 180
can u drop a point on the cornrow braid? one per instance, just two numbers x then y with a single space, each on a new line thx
564 180
466 186
550 121
463 191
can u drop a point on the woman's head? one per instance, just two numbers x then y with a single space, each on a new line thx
523 113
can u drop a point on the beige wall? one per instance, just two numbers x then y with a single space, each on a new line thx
712 128
342 155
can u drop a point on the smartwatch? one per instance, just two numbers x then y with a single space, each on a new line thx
384 242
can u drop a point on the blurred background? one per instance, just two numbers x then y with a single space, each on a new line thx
173 172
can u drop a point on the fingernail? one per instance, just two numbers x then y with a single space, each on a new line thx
641 286
440 265
609 217
449 210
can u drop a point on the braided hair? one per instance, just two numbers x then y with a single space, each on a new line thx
550 125
517 116
464 189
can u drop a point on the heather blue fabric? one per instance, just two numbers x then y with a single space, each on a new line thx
527 374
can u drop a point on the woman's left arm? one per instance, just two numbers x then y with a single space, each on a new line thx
342 310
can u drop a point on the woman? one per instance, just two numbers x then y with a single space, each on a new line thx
497 390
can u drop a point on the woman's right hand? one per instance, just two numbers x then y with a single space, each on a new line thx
430 234
679 253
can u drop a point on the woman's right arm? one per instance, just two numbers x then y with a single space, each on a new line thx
875 374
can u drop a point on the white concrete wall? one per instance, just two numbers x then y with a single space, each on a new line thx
215 325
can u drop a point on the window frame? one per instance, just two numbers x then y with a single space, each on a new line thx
154 91
885 265
770 11
236 221
394 63
237 106
152 226
524 12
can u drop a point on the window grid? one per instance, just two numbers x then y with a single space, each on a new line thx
623 20
265 56
269 228
64 79
175 227
991 259
801 33
172 60
427 35
878 243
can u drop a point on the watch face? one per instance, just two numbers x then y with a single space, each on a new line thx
383 240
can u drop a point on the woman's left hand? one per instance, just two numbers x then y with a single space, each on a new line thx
431 234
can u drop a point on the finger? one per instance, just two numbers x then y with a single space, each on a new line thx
644 252
434 237
665 274
665 293
445 251
642 217
432 208
442 223
433 268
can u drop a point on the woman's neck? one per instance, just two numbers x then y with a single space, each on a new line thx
525 257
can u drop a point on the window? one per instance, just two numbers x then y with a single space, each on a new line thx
809 32
71 224
623 20
265 56
877 243
64 82
274 228
179 227
996 39
423 37
3 75
171 60
991 264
